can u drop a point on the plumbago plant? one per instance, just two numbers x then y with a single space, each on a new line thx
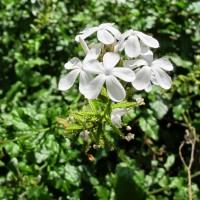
111 72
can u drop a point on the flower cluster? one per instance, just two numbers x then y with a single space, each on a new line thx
118 59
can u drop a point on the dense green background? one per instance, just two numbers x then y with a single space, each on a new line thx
37 160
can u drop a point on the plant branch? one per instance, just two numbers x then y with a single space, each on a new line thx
192 141
195 174
158 190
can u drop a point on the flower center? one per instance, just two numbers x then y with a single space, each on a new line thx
107 72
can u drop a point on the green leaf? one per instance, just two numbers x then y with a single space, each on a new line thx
149 126
181 62
102 193
126 186
12 149
159 108
170 161
180 107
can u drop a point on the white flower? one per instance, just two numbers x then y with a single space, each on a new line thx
116 115
150 72
107 73
106 33
78 68
84 135
132 45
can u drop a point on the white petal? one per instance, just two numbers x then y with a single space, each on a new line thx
163 79
104 25
132 64
92 54
148 88
96 45
115 90
132 47
143 77
67 82
124 73
163 63
116 120
153 79
77 37
126 34
105 37
93 89
144 48
121 44
84 45
72 64
89 29
85 78
86 33
114 31
119 111
147 40
148 56
110 60
94 67
116 115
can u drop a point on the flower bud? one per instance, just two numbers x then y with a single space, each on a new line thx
14 162
96 146
85 135
128 128
140 101
129 137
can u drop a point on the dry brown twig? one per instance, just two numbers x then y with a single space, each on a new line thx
190 138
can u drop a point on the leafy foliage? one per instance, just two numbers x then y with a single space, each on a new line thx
38 161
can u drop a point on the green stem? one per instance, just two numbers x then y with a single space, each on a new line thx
107 109
158 190
167 187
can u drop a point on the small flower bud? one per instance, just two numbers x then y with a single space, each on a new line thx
112 148
128 128
85 135
91 157
140 101
14 162
70 119
197 58
96 146
39 177
129 137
